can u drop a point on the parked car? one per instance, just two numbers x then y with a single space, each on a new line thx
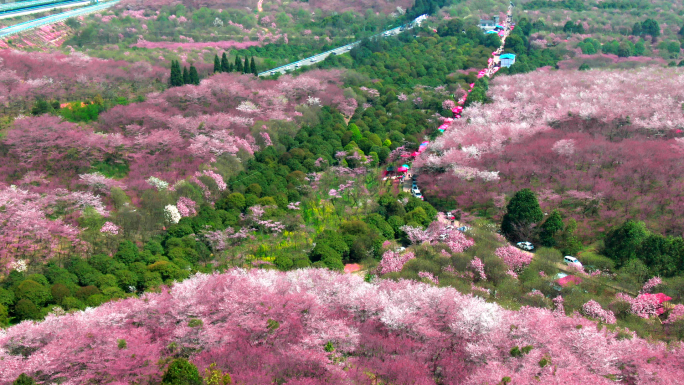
527 246
450 216
418 195
463 229
415 190
568 260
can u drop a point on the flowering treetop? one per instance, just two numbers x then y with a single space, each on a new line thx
286 320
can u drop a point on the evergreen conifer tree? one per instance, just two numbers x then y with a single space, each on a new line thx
23 379
247 68
194 76
254 69
225 66
186 76
238 64
176 78
217 64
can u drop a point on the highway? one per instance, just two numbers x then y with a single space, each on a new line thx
22 27
42 6
339 50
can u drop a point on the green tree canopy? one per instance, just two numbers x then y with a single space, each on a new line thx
622 242
181 372
521 213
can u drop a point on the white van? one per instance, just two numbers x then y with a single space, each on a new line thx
568 260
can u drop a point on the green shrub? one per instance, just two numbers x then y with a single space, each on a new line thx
25 309
126 279
302 263
106 280
267 201
322 251
113 292
333 263
283 262
71 303
40 278
6 297
168 270
104 263
127 253
179 231
195 322
598 261
59 291
56 274
181 372
152 279
154 247
87 275
86 291
4 315
96 300
23 379
33 291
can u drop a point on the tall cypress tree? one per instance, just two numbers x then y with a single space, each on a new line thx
225 66
176 78
217 64
254 69
186 76
194 76
246 69
230 66
238 64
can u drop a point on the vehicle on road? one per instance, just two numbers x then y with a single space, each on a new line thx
415 190
569 260
527 246
417 195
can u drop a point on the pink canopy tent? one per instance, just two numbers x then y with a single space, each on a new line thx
402 169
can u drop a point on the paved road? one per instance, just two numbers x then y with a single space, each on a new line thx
29 25
339 51
39 9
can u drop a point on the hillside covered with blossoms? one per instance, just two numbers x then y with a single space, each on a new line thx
459 201
312 326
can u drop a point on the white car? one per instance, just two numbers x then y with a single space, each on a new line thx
527 246
418 195
415 190
569 260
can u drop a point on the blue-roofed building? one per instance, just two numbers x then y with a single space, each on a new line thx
507 59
